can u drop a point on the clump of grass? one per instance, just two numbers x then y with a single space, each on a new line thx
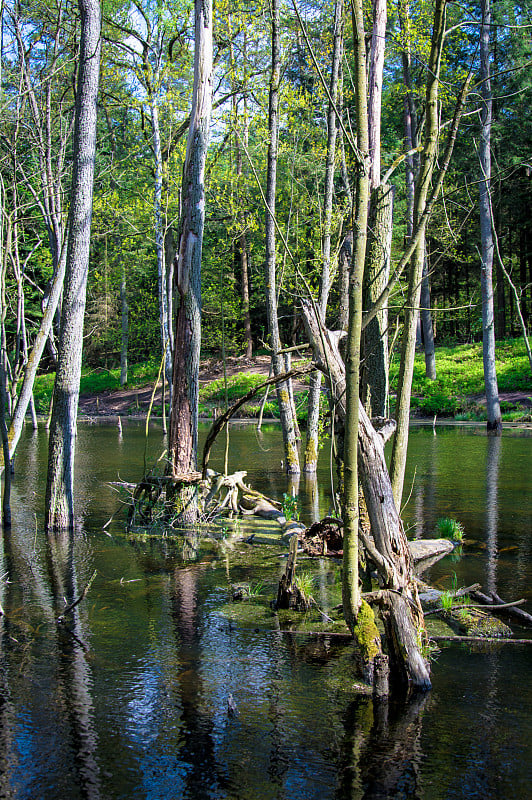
449 528
447 599
290 507
304 582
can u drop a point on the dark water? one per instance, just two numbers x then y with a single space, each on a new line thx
129 699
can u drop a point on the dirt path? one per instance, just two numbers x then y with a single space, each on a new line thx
120 402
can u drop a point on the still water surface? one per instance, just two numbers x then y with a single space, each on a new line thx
130 699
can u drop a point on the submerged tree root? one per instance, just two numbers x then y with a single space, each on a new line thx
155 501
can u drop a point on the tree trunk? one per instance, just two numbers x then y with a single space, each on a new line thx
164 319
493 409
376 66
388 547
374 390
182 441
124 313
423 183
311 449
283 394
426 323
59 509
350 588
344 263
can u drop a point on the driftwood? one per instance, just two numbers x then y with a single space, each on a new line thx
387 546
496 603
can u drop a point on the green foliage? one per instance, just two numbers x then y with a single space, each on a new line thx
289 506
449 528
460 380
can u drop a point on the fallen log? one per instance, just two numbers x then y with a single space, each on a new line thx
403 619
493 600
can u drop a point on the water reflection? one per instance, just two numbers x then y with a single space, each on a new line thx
493 456
381 755
74 674
129 698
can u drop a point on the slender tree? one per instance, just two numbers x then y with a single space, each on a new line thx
59 510
423 186
311 449
493 409
283 393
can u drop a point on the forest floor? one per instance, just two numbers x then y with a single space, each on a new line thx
127 401
136 400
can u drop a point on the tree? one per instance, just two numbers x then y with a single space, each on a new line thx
283 394
59 511
183 433
493 409
311 449
423 184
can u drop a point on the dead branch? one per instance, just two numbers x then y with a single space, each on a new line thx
72 606
219 424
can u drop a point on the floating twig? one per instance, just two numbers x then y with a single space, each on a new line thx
72 606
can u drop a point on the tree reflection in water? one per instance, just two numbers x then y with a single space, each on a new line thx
380 755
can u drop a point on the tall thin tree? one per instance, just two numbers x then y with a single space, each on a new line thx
59 511
283 393
493 409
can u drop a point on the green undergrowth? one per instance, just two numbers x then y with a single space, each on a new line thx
459 386
456 393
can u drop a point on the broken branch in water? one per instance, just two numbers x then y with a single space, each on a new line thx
72 606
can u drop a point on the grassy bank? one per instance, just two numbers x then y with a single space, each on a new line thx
456 393
458 390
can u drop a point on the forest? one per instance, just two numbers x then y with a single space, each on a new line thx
179 182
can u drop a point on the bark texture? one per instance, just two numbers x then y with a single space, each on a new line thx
375 341
182 445
493 409
387 546
59 509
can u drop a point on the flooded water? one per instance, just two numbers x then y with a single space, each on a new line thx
129 698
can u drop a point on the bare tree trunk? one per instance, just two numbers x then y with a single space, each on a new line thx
374 388
164 320
387 547
376 66
182 440
311 449
374 378
350 587
344 262
124 312
424 329
428 157
426 323
493 409
59 509
283 393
